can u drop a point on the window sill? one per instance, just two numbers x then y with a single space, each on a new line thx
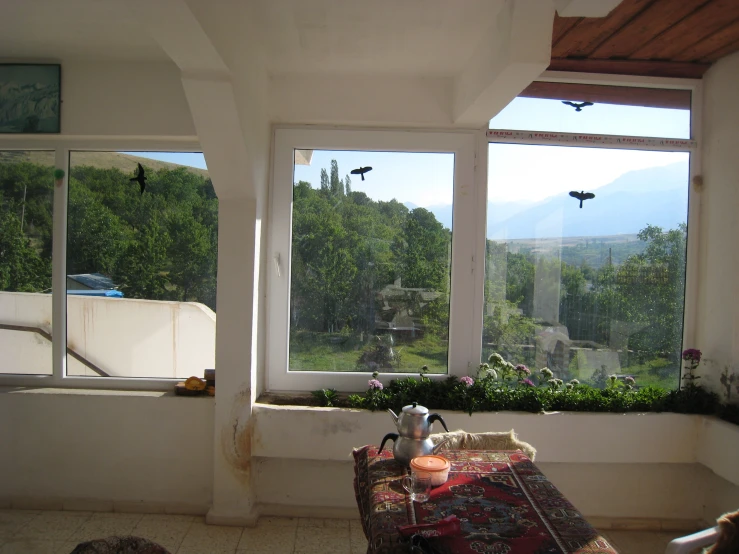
94 392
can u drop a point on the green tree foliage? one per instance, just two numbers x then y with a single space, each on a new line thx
162 245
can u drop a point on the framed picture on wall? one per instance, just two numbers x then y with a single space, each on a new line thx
30 98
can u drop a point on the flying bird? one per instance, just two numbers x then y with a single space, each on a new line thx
140 178
581 196
361 171
578 107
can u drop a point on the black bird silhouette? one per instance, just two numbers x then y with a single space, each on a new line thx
361 171
140 178
578 107
581 196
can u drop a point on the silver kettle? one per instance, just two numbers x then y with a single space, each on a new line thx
414 427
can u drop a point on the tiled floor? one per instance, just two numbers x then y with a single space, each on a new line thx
36 532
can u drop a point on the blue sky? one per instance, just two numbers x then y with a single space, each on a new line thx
516 173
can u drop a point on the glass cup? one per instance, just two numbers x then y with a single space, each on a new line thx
418 485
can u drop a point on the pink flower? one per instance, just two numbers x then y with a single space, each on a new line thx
469 381
523 370
374 384
692 354
629 380
528 383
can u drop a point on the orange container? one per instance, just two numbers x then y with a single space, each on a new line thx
436 466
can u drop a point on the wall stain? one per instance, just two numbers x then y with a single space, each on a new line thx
338 426
236 437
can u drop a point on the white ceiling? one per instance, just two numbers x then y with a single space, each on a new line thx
73 29
422 37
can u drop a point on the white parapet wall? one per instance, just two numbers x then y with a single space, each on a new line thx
123 337
613 466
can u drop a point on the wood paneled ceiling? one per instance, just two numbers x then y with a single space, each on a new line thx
667 38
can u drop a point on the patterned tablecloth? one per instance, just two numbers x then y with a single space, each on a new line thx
505 505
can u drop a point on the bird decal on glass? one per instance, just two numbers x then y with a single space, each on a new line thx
140 178
581 196
361 171
578 107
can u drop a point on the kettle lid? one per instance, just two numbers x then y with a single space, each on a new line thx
415 409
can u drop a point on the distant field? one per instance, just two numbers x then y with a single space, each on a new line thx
593 251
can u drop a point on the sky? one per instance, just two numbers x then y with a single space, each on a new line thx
516 172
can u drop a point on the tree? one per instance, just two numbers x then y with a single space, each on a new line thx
348 185
324 180
22 269
189 253
336 186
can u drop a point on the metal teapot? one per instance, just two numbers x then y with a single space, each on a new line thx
415 422
414 427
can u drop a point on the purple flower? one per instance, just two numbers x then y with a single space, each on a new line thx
528 382
469 381
374 384
692 355
523 370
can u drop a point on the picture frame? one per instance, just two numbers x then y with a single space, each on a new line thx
30 98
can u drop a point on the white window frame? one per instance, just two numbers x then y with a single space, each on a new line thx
691 145
465 318
62 146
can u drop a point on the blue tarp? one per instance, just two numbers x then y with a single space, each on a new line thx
109 293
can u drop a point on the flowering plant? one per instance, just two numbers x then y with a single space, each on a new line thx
469 381
692 357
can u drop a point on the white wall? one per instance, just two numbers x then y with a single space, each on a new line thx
123 337
117 450
124 99
718 306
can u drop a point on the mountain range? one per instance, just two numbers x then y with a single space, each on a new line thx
653 196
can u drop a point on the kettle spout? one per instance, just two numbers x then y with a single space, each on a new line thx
392 436
438 446
392 413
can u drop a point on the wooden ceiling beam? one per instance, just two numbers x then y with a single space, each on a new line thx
562 26
655 19
628 96
589 33
708 19
644 68
721 52
710 44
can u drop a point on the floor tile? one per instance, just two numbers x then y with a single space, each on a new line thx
167 531
641 542
103 525
66 547
267 539
216 539
56 526
315 540
272 521
322 522
11 521
28 546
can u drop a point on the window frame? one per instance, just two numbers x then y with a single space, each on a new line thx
465 317
62 146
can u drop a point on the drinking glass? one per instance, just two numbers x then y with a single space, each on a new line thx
418 486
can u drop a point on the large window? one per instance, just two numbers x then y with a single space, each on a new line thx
26 192
141 265
363 279
591 287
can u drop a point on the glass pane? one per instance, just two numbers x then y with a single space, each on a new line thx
26 198
141 265
370 261
540 114
587 287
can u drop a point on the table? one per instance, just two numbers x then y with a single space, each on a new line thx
505 504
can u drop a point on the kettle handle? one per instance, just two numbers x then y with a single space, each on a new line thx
437 417
392 436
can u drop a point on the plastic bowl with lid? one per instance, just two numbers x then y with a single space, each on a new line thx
436 466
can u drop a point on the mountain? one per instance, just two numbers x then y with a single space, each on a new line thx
652 196
29 108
